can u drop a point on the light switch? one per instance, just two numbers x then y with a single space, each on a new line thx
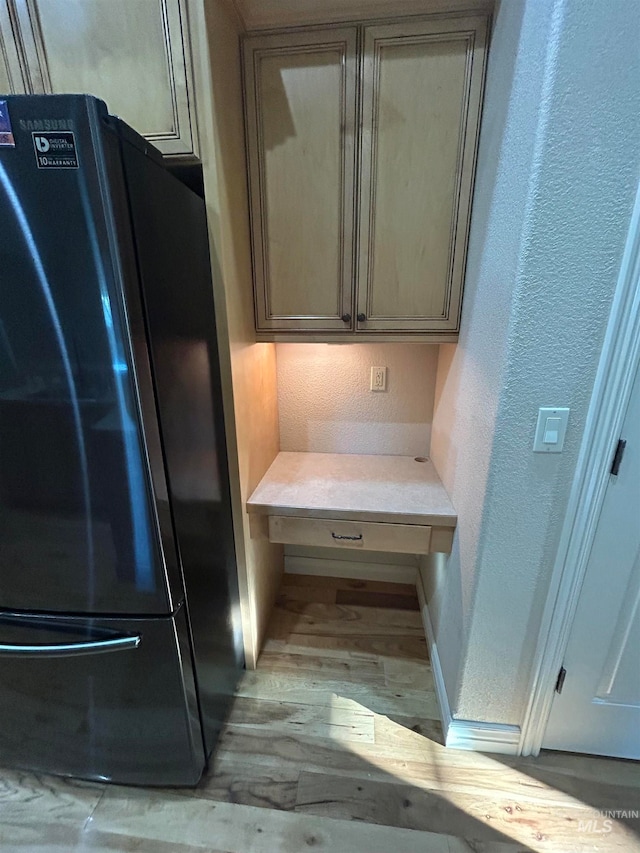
550 430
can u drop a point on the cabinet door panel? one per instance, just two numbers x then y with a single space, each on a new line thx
130 54
13 77
422 90
300 124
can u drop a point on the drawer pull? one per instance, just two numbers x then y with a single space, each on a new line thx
350 538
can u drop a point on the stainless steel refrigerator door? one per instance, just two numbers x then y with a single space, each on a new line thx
80 520
108 699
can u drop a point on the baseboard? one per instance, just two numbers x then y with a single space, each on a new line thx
436 668
483 737
464 734
321 567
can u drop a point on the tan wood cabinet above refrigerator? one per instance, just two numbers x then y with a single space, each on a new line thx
362 145
12 71
134 54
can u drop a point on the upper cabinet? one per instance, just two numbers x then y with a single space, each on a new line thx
12 72
421 96
134 54
378 251
301 122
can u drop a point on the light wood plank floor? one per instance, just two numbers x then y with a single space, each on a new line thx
334 745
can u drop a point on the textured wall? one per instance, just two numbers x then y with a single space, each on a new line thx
326 406
558 166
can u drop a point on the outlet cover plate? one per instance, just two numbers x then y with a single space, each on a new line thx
378 379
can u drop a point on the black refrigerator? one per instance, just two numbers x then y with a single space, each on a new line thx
120 640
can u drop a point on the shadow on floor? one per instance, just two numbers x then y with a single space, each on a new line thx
610 786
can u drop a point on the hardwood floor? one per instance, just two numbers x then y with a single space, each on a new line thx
334 745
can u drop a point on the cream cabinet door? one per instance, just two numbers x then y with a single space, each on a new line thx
300 119
134 54
421 96
13 75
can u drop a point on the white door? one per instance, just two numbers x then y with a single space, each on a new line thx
598 709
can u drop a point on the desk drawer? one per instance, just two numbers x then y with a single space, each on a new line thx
366 535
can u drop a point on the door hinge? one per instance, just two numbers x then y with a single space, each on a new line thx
617 456
560 680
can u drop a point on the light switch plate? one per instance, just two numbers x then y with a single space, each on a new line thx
551 430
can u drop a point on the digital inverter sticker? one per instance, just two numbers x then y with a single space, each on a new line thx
55 150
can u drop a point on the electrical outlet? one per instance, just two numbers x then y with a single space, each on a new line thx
378 378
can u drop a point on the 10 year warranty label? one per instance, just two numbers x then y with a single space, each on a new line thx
55 150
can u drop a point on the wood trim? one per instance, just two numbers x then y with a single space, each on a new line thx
174 20
474 30
261 16
254 49
4 57
359 337
25 38
10 51
169 64
619 361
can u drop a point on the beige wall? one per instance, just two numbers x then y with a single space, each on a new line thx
326 405
554 192
249 376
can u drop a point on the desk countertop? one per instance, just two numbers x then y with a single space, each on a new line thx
394 489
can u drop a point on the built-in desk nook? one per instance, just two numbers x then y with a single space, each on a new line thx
377 503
